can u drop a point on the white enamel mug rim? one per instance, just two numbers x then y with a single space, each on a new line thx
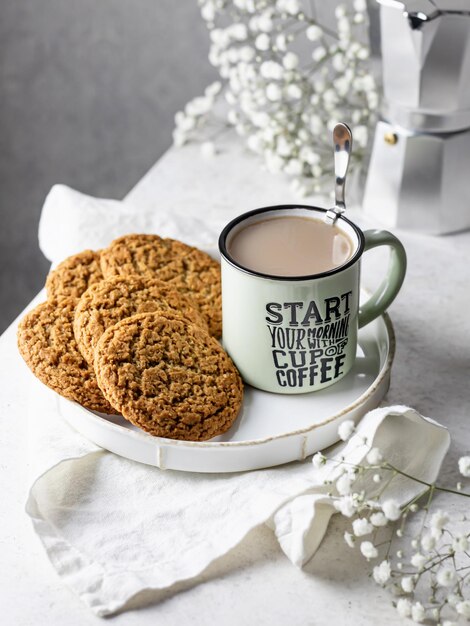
343 223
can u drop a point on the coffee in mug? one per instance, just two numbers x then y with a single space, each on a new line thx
290 295
291 246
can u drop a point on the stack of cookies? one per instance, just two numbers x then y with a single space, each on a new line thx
133 329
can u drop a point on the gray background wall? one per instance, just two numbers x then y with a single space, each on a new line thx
88 91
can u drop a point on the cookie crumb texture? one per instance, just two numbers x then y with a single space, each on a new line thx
47 344
140 254
114 299
168 377
188 269
74 275
197 275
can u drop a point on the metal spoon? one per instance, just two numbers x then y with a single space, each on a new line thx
342 142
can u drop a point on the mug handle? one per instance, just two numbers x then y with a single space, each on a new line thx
388 289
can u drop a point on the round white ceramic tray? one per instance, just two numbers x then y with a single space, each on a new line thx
271 429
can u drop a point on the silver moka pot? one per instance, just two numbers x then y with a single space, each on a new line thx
419 173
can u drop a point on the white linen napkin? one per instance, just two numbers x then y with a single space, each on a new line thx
113 528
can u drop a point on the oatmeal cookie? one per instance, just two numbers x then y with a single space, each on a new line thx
198 276
188 269
114 299
168 377
47 344
140 254
72 277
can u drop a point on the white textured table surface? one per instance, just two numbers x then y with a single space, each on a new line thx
255 584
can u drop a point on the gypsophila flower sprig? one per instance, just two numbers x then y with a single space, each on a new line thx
411 547
287 80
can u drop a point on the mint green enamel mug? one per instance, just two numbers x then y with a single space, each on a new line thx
298 334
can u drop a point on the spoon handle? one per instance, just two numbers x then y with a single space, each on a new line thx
342 142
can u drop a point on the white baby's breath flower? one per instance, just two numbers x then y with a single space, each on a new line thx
369 550
376 478
360 135
340 11
362 53
265 69
374 456
404 607
460 543
464 466
293 167
344 28
446 577
281 42
418 612
372 100
319 54
269 131
339 62
349 539
318 460
308 155
428 542
463 608
179 138
232 117
208 149
233 55
418 560
381 573
198 106
346 505
378 519
273 92
453 599
290 61
239 31
255 143
208 12
246 54
219 37
317 171
407 584
294 92
316 124
331 123
330 96
179 117
360 5
362 526
186 123
265 22
284 147
438 520
391 510
343 485
346 429
314 32
213 89
274 163
262 42
291 6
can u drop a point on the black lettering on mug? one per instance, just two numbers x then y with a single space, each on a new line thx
293 306
271 308
332 307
